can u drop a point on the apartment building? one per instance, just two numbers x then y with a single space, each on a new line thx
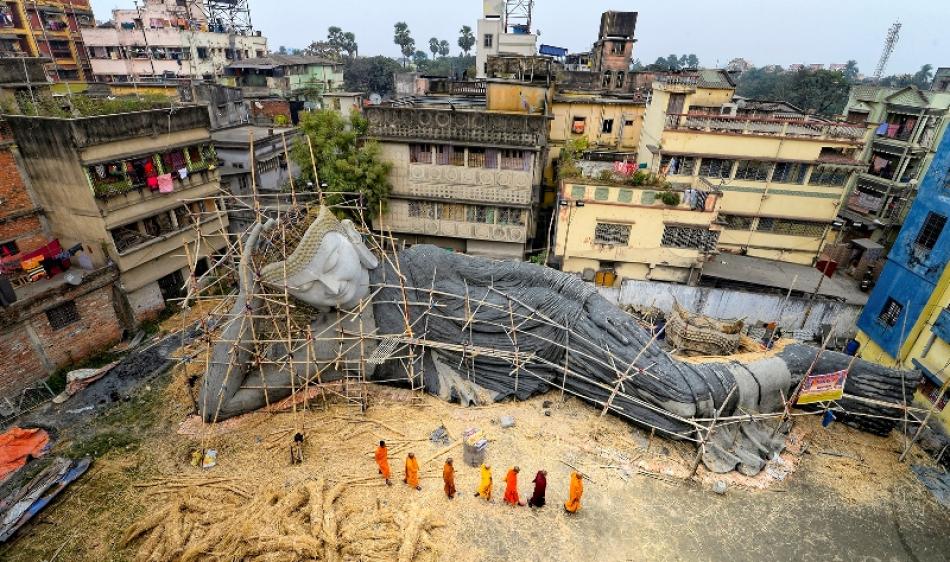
290 77
907 319
466 165
51 30
607 232
908 124
504 29
166 39
783 175
134 189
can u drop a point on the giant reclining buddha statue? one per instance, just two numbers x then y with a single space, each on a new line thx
460 311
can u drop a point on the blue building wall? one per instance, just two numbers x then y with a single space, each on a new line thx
911 275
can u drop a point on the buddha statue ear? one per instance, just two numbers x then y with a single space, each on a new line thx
367 258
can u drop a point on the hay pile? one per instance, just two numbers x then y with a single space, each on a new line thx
216 519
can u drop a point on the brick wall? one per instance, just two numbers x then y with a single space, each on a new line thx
31 349
270 109
18 219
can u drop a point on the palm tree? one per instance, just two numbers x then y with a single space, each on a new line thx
466 39
851 70
434 47
923 76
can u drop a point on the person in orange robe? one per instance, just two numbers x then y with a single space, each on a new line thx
412 472
511 487
448 476
484 486
573 503
382 461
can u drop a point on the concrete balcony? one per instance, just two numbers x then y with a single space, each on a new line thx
143 202
803 129
470 127
170 243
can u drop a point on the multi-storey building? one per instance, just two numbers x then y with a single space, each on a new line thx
501 32
783 178
135 189
466 165
295 78
907 319
612 231
908 123
165 39
48 29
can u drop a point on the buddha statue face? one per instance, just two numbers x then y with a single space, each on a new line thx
328 269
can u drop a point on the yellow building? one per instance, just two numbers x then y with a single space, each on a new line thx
783 174
49 29
610 231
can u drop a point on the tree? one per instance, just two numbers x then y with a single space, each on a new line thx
420 59
282 50
466 39
922 77
851 70
344 161
402 38
444 48
659 64
636 65
342 41
370 74
821 91
323 49
434 47
692 61
673 62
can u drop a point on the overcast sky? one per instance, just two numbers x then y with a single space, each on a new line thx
761 31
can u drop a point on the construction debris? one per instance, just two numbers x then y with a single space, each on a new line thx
17 509
695 334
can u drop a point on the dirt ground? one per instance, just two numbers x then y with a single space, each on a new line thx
846 499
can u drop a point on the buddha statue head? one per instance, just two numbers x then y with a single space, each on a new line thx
329 268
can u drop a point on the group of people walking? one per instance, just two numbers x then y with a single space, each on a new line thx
486 484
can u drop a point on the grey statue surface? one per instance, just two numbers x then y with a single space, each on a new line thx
567 335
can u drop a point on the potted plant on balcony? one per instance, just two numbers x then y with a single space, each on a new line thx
670 198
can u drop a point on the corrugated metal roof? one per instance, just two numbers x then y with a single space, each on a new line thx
275 60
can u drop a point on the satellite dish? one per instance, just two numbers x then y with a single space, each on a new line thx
375 99
258 105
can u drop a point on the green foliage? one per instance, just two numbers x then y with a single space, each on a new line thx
370 74
673 62
670 198
85 106
449 66
344 161
281 120
434 46
343 41
466 39
570 156
606 176
824 92
541 258
444 48
420 59
402 38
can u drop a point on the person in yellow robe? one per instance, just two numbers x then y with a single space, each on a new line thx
382 461
573 503
484 486
412 472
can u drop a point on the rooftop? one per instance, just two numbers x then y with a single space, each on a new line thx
773 274
242 135
275 60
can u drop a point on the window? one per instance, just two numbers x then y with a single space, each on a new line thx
457 156
930 232
620 78
422 209
63 315
735 222
578 192
791 227
420 153
601 193
617 47
608 126
8 249
715 168
648 198
442 154
831 177
607 233
890 313
452 212
752 170
476 157
606 82
489 40
689 237
789 172
579 125
677 165
514 160
481 214
507 215
625 196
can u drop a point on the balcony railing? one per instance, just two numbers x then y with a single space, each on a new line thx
865 204
467 88
475 127
765 126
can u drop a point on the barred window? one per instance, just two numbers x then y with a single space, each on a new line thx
508 215
890 313
715 167
457 156
481 214
476 157
63 315
678 165
752 170
452 212
422 209
791 227
607 233
689 237
831 177
442 154
930 232
514 160
789 172
735 222
420 153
